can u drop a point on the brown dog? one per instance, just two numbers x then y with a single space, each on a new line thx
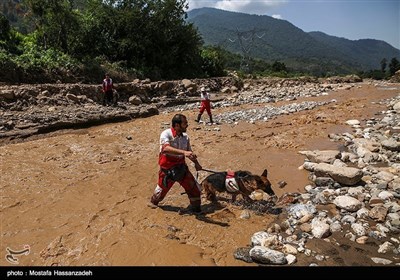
239 182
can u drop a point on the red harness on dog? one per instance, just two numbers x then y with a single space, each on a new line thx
230 182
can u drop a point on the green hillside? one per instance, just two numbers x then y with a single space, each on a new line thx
368 52
159 39
272 39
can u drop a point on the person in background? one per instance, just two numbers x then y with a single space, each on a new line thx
205 104
108 90
174 148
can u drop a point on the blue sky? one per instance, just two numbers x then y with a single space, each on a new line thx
350 19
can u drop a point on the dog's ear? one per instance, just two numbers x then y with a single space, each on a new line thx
265 173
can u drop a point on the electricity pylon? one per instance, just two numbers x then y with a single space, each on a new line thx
246 41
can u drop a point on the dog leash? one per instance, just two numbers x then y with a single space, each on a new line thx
204 169
209 170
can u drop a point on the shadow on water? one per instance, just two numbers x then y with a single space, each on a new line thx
206 209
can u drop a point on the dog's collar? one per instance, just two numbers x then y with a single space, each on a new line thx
230 174
230 182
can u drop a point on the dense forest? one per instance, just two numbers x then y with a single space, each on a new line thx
80 40
141 38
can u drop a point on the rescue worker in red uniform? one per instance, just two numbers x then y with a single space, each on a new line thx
205 104
174 148
108 90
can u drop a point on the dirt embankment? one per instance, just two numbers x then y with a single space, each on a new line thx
33 109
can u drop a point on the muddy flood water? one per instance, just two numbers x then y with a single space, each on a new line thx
78 197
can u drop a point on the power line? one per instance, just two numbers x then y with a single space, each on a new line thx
246 42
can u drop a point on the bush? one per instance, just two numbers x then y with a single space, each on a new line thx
374 74
212 64
93 70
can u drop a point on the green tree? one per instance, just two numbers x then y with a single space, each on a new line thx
374 74
278 66
55 22
394 66
9 38
149 35
4 28
383 65
213 63
172 45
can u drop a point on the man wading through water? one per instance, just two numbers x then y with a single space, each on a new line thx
174 147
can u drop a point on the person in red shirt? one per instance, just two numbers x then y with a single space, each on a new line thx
108 90
205 104
174 148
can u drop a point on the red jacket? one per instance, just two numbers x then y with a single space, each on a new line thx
107 84
169 138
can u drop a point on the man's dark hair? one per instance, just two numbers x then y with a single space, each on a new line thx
177 119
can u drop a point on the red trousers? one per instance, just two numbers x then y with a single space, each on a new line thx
205 105
189 183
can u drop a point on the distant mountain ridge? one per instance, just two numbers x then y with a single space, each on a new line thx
314 52
367 51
